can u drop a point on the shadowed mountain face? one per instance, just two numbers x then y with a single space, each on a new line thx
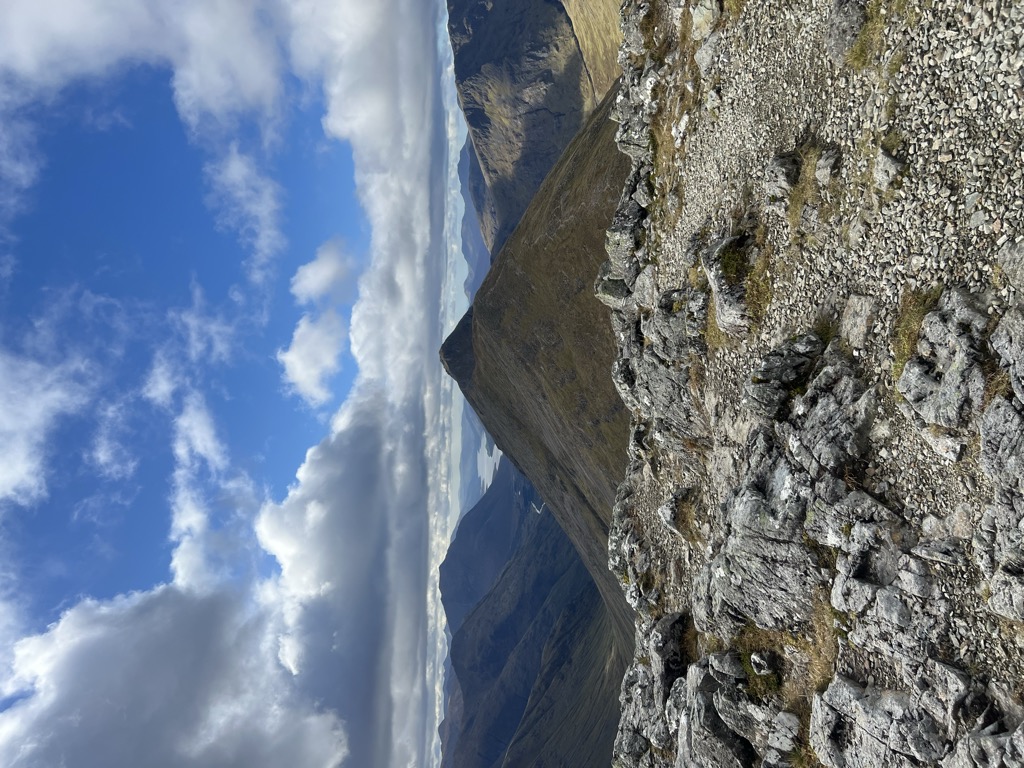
528 72
536 664
534 357
487 537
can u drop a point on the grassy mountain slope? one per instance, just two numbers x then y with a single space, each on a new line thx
534 357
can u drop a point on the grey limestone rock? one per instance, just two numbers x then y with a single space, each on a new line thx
844 25
944 383
727 290
668 657
780 374
832 419
1011 262
705 55
828 165
1008 341
621 241
858 319
611 291
705 14
859 728
1002 444
779 178
887 168
704 738
1007 594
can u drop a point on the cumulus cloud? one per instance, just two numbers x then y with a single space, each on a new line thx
224 55
312 358
33 397
326 277
168 678
351 549
184 674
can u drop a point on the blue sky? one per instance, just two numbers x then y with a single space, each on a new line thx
230 460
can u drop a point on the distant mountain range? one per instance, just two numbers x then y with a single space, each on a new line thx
529 640
541 632
528 73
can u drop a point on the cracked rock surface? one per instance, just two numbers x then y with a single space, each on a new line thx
814 279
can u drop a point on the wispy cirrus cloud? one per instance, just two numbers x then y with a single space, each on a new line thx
248 202
34 396
109 452
208 334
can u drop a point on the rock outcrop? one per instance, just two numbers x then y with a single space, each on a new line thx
822 544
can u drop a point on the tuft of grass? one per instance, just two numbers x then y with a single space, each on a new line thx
696 277
825 555
896 65
870 40
735 263
686 519
805 191
818 643
824 647
732 9
913 307
892 141
714 336
759 286
750 640
826 328
804 757
654 29
997 380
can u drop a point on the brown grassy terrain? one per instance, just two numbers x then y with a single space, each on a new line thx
542 350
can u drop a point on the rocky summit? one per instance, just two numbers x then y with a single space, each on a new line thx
816 280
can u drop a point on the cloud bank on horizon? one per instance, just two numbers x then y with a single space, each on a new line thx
290 631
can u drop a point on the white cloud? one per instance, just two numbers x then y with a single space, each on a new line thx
350 540
19 163
249 203
109 452
195 436
164 678
347 612
161 382
33 397
197 452
312 358
223 53
326 277
208 336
